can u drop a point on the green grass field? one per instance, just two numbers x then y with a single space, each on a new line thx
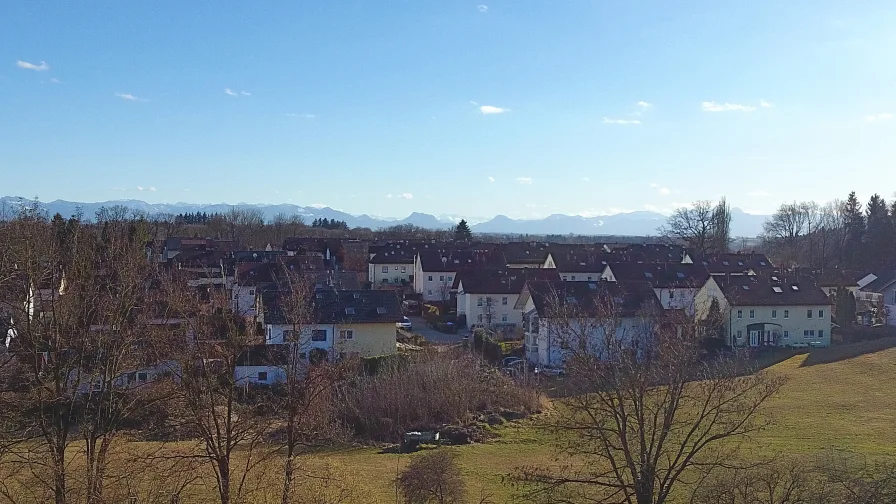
843 397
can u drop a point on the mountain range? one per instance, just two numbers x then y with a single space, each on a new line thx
622 224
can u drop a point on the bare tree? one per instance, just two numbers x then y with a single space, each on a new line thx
649 406
785 231
223 414
703 227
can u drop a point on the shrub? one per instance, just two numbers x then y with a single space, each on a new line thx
432 389
433 477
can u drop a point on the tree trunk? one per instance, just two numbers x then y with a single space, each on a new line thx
59 480
224 480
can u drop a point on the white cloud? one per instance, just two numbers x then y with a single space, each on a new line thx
644 104
230 92
482 8
654 185
879 117
766 104
491 179
524 180
43 67
388 196
149 188
586 179
665 191
129 97
140 188
475 104
760 193
712 106
54 80
406 196
607 120
317 205
245 93
488 110
152 189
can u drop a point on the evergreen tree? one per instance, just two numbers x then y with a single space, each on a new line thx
462 231
855 229
878 233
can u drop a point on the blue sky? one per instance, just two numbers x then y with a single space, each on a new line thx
523 107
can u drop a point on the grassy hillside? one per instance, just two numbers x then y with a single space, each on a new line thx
843 397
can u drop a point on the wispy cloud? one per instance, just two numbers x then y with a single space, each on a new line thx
303 116
54 80
489 109
42 67
245 93
607 120
586 179
644 104
879 117
150 188
406 196
665 191
130 97
759 193
524 180
766 104
711 106
491 179
482 8
230 92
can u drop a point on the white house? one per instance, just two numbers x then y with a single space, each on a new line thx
392 266
558 315
880 286
487 297
770 309
675 285
434 272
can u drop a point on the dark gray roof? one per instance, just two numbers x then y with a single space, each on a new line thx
626 299
340 307
772 289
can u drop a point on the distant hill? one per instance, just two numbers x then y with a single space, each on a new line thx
622 224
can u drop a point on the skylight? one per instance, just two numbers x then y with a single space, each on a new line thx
774 279
680 274
762 263
746 287
349 311
795 287
725 263
381 310
777 289
648 274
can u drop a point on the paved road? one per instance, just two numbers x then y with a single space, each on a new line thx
434 336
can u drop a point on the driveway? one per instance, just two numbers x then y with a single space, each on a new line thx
434 336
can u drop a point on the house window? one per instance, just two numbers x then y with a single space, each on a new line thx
262 376
809 333
821 333
429 292
820 313
504 300
671 294
589 278
740 314
808 313
318 335
450 278
564 277
479 301
480 318
396 268
346 334
573 278
404 269
441 278
740 335
385 269
752 314
786 313
251 292
504 318
141 377
786 334
289 335
774 314
430 278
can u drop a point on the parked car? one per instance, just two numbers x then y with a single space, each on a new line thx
549 371
507 362
405 324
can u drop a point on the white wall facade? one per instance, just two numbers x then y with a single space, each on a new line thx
390 274
478 307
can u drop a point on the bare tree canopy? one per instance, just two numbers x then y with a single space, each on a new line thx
703 227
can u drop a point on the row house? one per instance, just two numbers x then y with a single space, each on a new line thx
735 263
675 285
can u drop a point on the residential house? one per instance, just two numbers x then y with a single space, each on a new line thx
360 322
769 309
525 254
435 272
392 266
487 297
881 289
579 265
560 315
675 284
735 263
